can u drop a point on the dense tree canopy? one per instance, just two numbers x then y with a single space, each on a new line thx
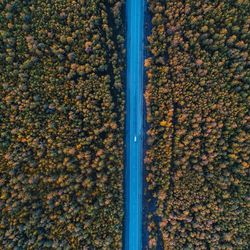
61 124
197 97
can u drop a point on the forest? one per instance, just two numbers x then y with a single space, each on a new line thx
197 97
61 124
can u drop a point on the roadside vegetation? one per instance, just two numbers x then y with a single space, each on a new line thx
61 124
197 98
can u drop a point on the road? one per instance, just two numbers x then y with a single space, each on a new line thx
134 125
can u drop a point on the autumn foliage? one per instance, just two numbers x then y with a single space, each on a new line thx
61 124
197 97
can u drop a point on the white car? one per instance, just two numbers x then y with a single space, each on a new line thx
135 139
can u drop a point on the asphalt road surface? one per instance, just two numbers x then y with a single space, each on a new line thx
134 125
